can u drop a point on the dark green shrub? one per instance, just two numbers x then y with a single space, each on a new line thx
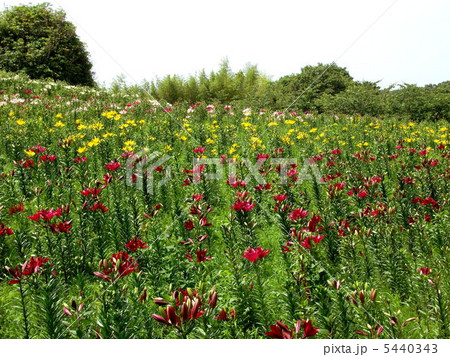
40 42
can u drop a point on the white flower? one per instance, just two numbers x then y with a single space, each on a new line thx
17 100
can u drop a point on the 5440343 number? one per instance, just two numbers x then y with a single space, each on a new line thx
410 348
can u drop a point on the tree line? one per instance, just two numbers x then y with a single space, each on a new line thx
320 88
39 42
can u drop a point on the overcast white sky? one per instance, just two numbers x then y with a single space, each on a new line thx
144 39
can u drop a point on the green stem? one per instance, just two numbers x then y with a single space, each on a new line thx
24 312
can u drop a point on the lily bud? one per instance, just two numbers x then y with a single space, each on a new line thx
298 326
213 300
373 295
408 320
359 332
362 297
189 304
160 319
143 296
393 320
335 284
171 314
160 301
189 291
194 310
184 312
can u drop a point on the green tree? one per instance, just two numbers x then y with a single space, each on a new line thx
192 90
171 89
302 90
40 42
204 86
431 102
365 98
222 82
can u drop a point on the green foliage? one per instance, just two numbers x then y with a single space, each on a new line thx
320 88
223 86
365 98
431 102
302 90
41 43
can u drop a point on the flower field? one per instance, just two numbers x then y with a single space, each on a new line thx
124 218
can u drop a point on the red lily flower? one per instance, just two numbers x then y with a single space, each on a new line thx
189 225
339 185
362 194
204 222
80 159
135 244
30 267
426 201
424 271
222 316
308 329
199 150
46 215
243 205
127 155
26 163
255 254
16 209
408 180
263 156
98 206
280 331
236 183
118 266
201 255
49 158
112 166
197 197
298 213
38 149
61 227
5 231
260 188
187 308
280 198
94 192
312 225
